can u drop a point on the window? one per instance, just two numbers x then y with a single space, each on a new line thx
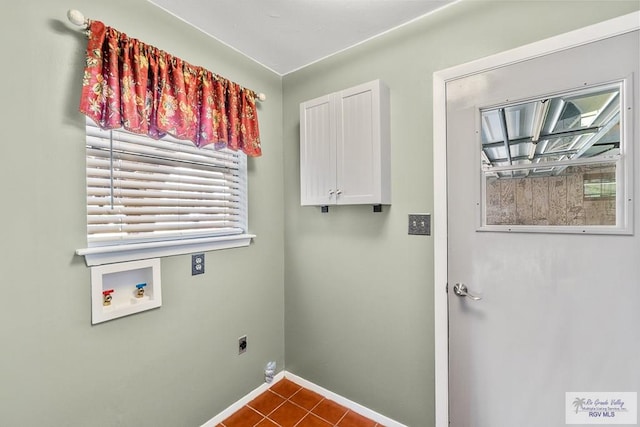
600 185
557 164
149 198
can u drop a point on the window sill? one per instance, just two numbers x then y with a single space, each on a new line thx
137 251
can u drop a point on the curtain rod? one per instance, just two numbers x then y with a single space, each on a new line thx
77 18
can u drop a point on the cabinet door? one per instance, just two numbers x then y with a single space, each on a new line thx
359 149
318 151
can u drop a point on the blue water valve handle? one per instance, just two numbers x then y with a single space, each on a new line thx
140 290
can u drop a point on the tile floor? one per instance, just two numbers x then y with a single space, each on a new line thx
286 404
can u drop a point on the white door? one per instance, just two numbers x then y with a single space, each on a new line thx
560 312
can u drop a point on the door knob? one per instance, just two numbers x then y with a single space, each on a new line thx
460 289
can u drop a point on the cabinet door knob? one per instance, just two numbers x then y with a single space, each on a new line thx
338 191
331 192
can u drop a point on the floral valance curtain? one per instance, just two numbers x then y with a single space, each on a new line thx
145 90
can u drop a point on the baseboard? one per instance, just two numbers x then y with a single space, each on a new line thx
356 407
213 422
379 418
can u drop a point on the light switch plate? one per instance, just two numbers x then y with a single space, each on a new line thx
420 224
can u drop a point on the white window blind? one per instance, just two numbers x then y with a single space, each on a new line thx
145 190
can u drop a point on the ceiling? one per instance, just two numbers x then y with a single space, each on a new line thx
286 35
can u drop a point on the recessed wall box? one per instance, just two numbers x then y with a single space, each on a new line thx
131 287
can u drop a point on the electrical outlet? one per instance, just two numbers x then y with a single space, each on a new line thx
242 344
197 264
420 224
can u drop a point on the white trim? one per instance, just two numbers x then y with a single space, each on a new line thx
602 30
440 224
349 404
366 412
243 401
135 251
610 28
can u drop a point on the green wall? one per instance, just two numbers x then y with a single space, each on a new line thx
173 366
359 290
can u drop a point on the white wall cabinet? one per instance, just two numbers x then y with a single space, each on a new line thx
345 147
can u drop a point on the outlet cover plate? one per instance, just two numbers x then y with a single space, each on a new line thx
420 224
197 264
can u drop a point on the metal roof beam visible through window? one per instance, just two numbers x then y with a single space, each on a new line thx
503 126
526 157
562 134
602 131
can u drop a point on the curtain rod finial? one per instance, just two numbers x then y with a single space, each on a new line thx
76 17
261 96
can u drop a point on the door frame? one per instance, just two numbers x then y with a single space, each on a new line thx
610 28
